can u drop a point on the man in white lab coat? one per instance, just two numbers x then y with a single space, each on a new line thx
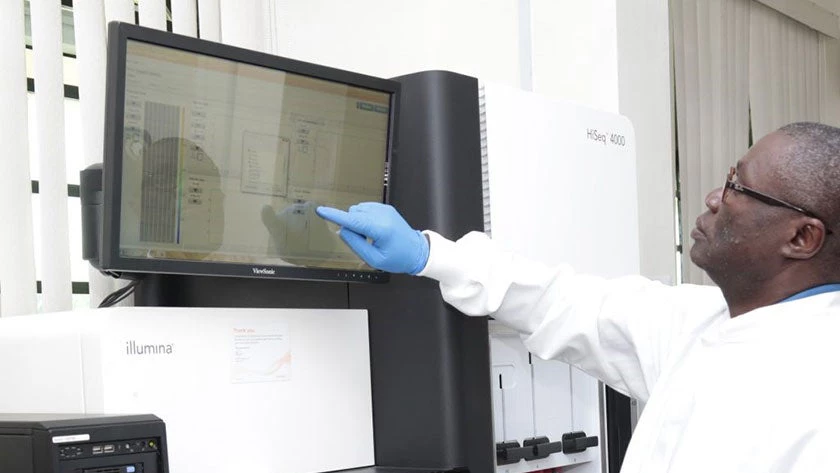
737 379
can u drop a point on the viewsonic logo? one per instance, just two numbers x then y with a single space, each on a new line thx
134 348
260 271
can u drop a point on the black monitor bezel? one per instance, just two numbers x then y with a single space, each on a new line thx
111 260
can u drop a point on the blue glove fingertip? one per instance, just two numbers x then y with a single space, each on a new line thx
336 216
323 211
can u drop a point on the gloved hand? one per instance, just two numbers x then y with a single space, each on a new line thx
395 246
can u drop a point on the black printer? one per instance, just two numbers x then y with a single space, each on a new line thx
82 443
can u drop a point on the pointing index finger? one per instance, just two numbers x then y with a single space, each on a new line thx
349 220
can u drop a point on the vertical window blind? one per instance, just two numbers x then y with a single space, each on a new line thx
55 134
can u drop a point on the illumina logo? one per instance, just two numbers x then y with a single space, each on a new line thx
134 348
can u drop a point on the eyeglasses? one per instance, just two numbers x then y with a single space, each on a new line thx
769 200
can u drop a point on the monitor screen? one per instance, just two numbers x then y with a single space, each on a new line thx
216 158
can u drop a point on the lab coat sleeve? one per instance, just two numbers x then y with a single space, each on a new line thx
620 331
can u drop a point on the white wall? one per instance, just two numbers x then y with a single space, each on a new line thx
575 51
388 38
645 96
573 45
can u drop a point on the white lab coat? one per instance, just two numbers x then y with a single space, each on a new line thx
755 393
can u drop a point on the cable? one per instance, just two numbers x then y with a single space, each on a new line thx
120 294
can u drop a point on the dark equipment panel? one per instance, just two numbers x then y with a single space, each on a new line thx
79 443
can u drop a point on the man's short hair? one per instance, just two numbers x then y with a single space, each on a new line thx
810 174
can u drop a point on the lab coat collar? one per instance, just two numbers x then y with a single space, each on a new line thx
783 318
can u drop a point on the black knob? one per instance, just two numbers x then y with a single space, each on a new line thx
576 442
546 449
510 452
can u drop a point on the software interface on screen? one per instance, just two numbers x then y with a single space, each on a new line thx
226 162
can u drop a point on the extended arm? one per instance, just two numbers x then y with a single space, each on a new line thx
620 330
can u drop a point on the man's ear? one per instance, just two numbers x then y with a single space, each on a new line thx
808 239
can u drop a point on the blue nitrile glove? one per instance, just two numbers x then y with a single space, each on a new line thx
394 247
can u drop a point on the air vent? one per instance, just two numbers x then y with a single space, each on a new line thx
485 173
